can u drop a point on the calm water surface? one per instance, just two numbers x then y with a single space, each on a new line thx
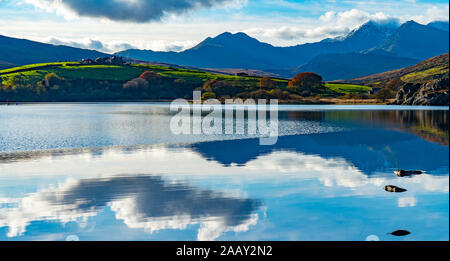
116 172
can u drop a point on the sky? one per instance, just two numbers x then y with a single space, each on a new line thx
175 25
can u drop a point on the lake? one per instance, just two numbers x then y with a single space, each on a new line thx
115 171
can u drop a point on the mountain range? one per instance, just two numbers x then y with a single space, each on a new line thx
372 48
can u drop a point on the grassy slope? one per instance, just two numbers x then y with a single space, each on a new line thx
30 75
436 67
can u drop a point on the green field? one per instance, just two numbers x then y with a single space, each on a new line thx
417 76
347 88
31 74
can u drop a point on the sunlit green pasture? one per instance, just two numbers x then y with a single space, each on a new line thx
347 88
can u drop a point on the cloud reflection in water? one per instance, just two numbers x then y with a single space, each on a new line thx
143 201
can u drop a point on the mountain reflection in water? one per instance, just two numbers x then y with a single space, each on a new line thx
370 150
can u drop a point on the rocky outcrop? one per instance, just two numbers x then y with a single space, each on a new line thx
111 60
406 173
434 92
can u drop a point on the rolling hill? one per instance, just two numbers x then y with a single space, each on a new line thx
119 81
15 52
78 81
426 83
433 68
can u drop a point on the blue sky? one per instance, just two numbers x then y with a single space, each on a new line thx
112 25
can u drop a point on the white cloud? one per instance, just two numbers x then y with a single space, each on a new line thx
328 25
433 13
116 46
354 17
296 33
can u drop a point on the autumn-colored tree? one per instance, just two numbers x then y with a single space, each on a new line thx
266 83
149 76
306 82
305 79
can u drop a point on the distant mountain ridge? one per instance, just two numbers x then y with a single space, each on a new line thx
15 52
442 25
381 46
223 51
362 38
239 50
413 40
351 65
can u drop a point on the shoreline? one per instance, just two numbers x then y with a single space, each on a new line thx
167 102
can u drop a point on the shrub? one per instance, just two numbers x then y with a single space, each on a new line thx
210 85
208 95
279 94
150 76
259 94
51 79
136 83
384 94
180 81
219 87
266 83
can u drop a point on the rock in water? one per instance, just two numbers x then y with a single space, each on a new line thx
392 188
400 233
404 173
